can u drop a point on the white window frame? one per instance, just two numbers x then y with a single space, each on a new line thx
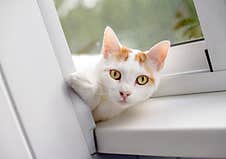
11 132
212 20
39 120
189 82
215 41
63 54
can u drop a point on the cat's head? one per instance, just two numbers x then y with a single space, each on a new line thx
129 76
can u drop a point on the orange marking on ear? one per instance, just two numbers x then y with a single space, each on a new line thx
124 53
141 57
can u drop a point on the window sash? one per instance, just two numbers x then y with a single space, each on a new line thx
192 66
212 20
194 77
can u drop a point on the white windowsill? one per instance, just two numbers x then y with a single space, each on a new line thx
187 125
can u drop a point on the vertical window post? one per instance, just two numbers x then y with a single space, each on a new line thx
213 22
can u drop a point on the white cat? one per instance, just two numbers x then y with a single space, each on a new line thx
122 78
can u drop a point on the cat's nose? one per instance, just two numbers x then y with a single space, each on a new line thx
124 94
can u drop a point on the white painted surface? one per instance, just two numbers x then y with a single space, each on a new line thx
213 22
36 83
64 59
189 125
188 83
12 143
185 58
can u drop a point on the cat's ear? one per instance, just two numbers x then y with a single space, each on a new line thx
111 44
157 54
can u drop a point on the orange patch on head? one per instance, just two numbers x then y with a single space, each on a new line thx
123 53
151 80
141 57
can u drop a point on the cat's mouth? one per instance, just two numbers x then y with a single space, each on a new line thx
123 101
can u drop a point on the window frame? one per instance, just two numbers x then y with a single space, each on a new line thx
213 27
63 56
34 88
196 82
194 50
213 80
198 69
11 131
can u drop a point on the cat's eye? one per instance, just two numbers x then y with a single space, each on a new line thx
115 74
142 79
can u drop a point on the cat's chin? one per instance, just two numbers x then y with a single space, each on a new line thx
123 102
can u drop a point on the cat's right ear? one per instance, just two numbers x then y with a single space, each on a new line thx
111 44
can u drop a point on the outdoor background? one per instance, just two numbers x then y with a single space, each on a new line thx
138 23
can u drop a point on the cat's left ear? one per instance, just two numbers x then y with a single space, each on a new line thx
157 54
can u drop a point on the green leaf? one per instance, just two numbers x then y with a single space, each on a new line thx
184 22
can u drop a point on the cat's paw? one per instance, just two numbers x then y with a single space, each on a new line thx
73 78
78 80
85 88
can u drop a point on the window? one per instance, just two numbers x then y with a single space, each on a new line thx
138 23
206 141
194 59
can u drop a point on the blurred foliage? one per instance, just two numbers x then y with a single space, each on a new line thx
188 20
138 23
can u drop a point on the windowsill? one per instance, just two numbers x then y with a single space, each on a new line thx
187 125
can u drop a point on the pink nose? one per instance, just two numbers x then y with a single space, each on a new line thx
124 94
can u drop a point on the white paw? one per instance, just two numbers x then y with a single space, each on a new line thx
77 79
72 78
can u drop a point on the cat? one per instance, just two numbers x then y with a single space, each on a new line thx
123 77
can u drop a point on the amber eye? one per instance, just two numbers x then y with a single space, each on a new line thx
115 74
142 79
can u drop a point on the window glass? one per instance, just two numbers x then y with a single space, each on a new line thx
138 23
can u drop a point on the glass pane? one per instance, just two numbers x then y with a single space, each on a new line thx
138 23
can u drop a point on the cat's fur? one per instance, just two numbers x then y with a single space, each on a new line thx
108 97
